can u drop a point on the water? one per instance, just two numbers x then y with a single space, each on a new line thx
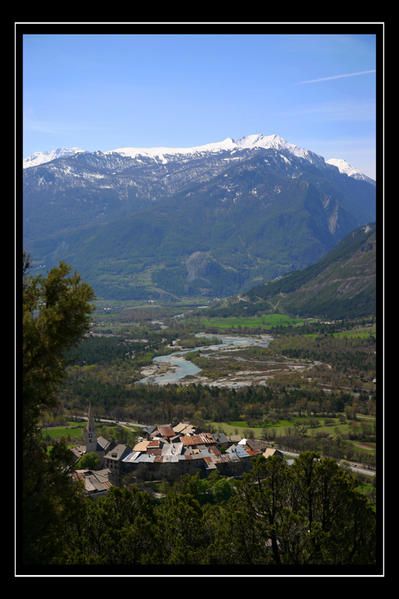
180 367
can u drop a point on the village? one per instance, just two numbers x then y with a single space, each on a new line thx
164 452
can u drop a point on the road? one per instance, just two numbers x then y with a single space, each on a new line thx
110 421
359 468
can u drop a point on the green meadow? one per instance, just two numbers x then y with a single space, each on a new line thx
357 333
73 430
266 321
331 425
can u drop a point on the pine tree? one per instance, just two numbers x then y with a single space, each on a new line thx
56 312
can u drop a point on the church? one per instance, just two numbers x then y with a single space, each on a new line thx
98 445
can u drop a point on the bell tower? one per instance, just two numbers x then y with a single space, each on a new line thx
90 433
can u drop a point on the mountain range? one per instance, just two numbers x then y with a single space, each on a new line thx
211 220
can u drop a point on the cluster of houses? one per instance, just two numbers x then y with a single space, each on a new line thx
165 452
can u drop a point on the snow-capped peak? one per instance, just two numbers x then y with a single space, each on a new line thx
38 158
347 169
255 140
275 142
248 142
343 166
161 152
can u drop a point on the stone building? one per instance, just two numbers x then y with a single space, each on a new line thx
113 460
90 432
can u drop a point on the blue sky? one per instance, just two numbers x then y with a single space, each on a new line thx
100 92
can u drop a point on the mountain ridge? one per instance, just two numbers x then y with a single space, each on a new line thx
211 223
340 285
252 141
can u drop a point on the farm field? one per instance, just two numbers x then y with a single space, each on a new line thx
73 430
331 425
356 333
266 321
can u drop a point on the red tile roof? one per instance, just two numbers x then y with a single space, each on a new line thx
202 439
154 443
165 431
154 451
251 451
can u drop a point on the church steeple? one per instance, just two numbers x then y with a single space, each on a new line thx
90 433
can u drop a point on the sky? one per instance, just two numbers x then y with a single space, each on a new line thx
100 92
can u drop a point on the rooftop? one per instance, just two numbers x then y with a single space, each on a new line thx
103 443
201 439
95 481
142 446
117 452
269 452
165 430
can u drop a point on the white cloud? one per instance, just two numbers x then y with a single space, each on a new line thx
331 78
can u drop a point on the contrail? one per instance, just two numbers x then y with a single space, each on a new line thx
337 77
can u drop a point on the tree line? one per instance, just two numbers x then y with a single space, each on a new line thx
309 513
150 403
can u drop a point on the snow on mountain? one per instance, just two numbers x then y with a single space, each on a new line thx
347 169
38 158
161 152
256 140
131 203
274 142
253 141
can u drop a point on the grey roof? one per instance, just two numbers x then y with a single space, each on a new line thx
145 457
170 458
205 453
241 451
221 438
172 448
103 443
95 481
238 450
149 429
131 457
118 452
78 451
257 444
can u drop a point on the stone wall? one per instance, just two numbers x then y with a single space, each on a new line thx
166 471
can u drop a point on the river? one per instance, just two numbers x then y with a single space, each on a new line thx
178 367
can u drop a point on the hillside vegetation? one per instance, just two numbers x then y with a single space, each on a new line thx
340 285
209 225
